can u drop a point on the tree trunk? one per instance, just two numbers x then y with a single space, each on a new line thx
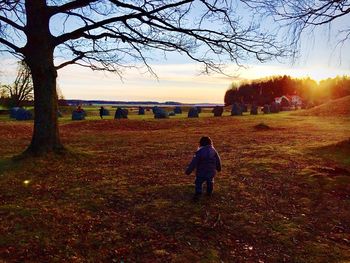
45 135
39 57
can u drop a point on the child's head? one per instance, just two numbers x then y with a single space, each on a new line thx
204 141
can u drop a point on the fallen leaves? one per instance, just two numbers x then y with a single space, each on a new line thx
124 197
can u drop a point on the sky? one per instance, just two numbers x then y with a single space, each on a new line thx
178 78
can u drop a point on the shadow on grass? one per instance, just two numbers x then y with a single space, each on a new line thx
27 160
338 152
7 164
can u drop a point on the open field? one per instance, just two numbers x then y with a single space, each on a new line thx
121 194
338 107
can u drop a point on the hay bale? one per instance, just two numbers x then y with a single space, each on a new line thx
161 114
275 107
78 115
23 115
266 109
218 110
121 113
193 113
155 109
141 111
13 112
254 110
177 110
236 110
105 112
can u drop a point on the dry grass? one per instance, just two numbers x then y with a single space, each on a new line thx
337 108
122 193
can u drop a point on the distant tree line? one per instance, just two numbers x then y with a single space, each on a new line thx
263 91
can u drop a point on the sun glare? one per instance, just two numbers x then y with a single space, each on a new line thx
315 73
26 182
319 74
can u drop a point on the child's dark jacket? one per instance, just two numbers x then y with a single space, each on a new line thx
206 161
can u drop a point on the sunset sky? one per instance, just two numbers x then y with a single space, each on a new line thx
179 78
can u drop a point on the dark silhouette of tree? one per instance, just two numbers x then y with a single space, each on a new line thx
22 88
336 87
231 95
114 35
61 99
3 96
263 91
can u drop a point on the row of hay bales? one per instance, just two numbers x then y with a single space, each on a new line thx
120 113
238 109
160 113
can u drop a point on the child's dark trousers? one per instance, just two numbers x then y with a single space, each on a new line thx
199 182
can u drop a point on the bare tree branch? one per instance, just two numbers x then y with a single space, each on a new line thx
10 45
11 23
22 88
70 6
140 12
300 15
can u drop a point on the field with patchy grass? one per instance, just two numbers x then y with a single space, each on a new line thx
121 195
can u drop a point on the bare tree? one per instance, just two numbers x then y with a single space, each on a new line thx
61 99
301 15
116 34
22 88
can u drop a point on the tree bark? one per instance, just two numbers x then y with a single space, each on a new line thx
45 135
39 57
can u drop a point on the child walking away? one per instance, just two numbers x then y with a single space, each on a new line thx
101 112
206 161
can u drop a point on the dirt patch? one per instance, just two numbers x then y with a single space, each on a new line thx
262 127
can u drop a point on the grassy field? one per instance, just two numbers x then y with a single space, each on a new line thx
121 195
